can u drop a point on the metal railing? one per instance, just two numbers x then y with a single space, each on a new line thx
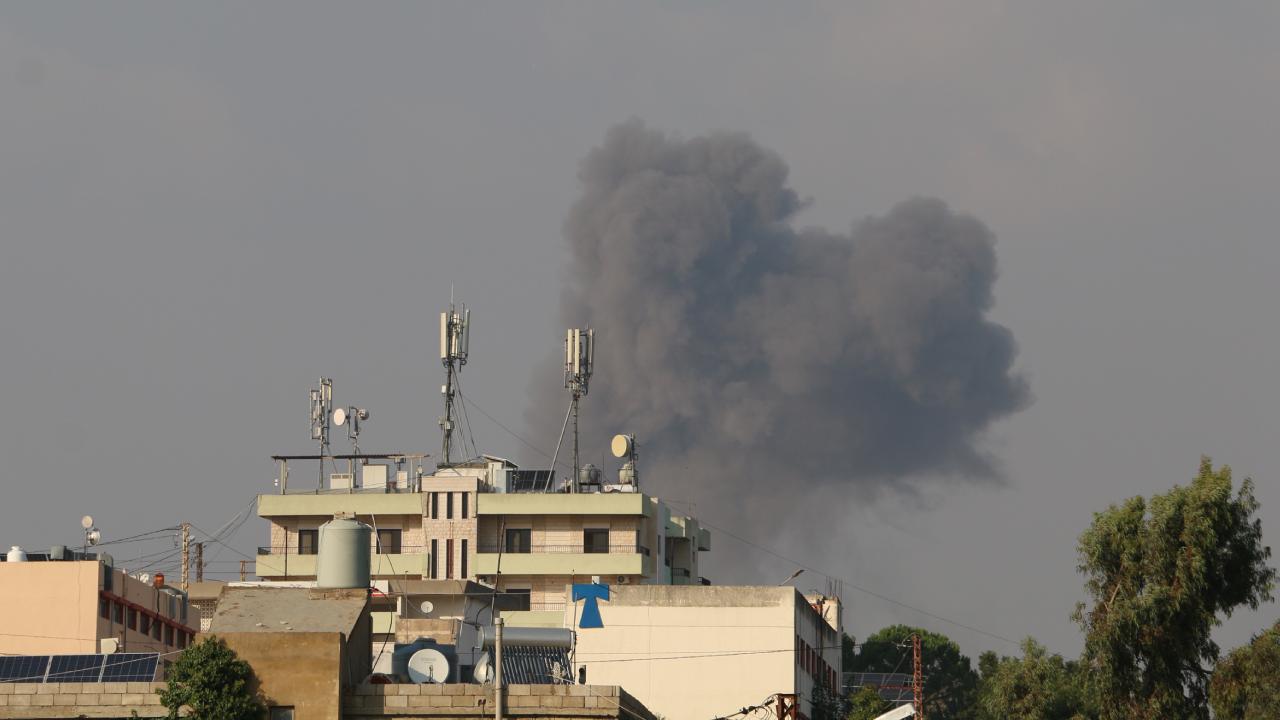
516 549
680 572
294 550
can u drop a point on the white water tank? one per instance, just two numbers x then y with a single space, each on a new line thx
343 559
15 555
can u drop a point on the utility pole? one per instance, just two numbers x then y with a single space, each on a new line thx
199 562
497 668
186 555
243 572
917 677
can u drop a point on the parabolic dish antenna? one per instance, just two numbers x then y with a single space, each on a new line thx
339 417
621 446
86 522
428 666
427 607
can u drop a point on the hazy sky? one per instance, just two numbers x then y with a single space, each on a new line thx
205 207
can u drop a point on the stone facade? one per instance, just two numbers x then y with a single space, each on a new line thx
545 702
23 701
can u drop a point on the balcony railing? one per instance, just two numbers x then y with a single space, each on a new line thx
613 549
293 550
679 572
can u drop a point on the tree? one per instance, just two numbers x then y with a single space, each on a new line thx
866 704
1246 684
950 686
209 679
1037 686
1161 575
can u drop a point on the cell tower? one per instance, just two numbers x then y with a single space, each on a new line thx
321 407
455 336
579 360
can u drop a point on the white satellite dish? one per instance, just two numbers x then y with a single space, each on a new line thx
339 417
86 522
427 606
621 446
93 536
484 669
428 666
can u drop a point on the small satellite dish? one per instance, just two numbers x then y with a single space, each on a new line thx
86 522
94 536
427 606
429 666
484 669
339 417
621 446
362 414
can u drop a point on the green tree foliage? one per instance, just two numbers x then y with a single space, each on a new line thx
866 704
1037 686
951 684
1246 684
1161 575
209 679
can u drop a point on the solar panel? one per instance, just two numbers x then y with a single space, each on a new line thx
75 668
894 687
130 667
536 665
23 668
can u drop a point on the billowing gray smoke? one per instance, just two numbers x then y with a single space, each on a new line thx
751 358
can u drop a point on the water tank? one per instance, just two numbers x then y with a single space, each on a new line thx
16 555
59 552
627 473
589 475
343 560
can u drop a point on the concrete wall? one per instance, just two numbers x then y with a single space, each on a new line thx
545 702
80 700
299 670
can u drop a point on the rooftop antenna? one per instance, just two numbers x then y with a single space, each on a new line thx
455 337
624 446
579 361
351 417
92 536
321 411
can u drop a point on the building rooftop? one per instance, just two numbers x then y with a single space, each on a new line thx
266 609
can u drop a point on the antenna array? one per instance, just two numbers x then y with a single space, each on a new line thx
321 408
579 362
455 339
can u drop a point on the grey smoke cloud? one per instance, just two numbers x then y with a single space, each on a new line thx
749 356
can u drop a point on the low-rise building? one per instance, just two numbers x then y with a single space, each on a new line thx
87 606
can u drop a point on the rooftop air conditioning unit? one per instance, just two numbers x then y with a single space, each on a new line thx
340 481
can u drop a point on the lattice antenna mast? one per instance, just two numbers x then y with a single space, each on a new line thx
321 408
917 677
455 337
579 361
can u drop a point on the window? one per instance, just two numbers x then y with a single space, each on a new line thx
119 613
168 635
104 608
463 574
595 540
308 542
389 542
281 713
466 500
519 598
435 506
433 566
182 641
448 559
146 624
448 506
518 540
133 619
156 628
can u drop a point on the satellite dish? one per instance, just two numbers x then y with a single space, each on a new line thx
429 666
86 522
621 445
339 417
427 606
484 669
94 536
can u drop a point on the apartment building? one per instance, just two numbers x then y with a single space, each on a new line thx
486 520
52 607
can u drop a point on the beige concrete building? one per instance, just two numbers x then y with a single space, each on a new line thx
71 607
690 653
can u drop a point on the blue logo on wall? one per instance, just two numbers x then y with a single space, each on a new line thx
592 593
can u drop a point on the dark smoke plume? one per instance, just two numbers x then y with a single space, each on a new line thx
751 358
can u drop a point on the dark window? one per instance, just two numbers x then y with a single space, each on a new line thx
435 506
168 635
182 640
448 506
133 619
519 540
466 501
434 567
520 598
389 542
281 713
463 574
448 559
104 608
119 613
668 550
146 624
308 542
595 540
